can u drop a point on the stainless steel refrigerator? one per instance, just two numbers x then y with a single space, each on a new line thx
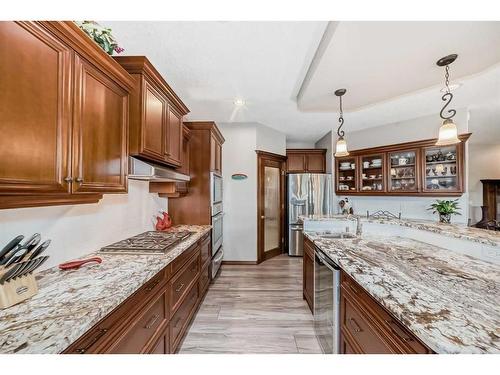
308 194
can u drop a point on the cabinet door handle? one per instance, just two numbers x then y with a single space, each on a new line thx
397 331
152 321
354 325
68 179
151 286
79 180
179 288
101 332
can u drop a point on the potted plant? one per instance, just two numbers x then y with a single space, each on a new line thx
445 209
101 35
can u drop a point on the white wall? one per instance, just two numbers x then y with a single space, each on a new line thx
299 144
80 229
270 140
326 142
240 196
484 163
406 131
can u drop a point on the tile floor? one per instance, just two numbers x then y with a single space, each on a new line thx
254 309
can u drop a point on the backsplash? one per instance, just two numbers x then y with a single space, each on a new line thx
80 229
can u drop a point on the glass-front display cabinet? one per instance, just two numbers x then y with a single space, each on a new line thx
403 171
417 168
373 173
441 169
347 180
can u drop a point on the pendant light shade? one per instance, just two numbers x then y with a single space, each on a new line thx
448 132
341 147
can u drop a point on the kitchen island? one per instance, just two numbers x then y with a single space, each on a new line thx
447 299
70 303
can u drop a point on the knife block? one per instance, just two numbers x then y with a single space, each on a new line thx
17 290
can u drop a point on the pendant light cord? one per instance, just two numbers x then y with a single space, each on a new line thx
447 97
340 132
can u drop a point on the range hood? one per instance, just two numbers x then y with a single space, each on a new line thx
146 171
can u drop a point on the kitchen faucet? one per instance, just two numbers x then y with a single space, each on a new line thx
359 226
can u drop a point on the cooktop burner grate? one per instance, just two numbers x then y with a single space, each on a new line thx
151 242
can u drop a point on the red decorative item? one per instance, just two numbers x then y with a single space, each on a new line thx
75 264
167 220
159 223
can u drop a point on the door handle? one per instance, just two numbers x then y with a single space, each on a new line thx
262 217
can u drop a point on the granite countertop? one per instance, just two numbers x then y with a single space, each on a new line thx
487 237
69 303
448 300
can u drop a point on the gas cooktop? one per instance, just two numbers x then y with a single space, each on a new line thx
152 242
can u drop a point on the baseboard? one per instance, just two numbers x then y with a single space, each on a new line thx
239 262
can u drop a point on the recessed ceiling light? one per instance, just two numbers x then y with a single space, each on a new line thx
239 102
453 86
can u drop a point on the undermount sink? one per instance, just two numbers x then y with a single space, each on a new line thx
338 235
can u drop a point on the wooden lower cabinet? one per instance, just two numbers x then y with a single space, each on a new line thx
308 274
156 317
366 327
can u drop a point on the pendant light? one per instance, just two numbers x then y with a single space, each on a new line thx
448 132
341 147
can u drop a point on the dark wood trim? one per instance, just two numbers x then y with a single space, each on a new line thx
278 161
239 262
306 150
419 147
206 125
22 201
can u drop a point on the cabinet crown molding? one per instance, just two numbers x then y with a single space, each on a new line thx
142 65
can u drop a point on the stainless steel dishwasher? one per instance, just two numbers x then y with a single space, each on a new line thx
326 302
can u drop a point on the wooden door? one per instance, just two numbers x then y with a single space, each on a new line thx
173 139
270 205
99 131
296 163
154 122
316 162
35 110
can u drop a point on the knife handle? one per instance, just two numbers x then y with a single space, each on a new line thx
75 264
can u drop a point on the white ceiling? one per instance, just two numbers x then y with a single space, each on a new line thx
210 64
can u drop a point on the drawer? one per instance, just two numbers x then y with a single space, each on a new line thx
99 336
204 279
180 284
181 260
400 336
143 329
180 320
357 327
206 250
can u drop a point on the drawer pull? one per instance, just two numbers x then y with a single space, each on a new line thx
151 286
179 288
354 325
177 322
101 332
397 331
152 321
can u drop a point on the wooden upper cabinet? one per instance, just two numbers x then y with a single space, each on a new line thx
99 131
215 153
63 116
174 137
417 168
155 107
35 110
185 153
156 114
306 160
